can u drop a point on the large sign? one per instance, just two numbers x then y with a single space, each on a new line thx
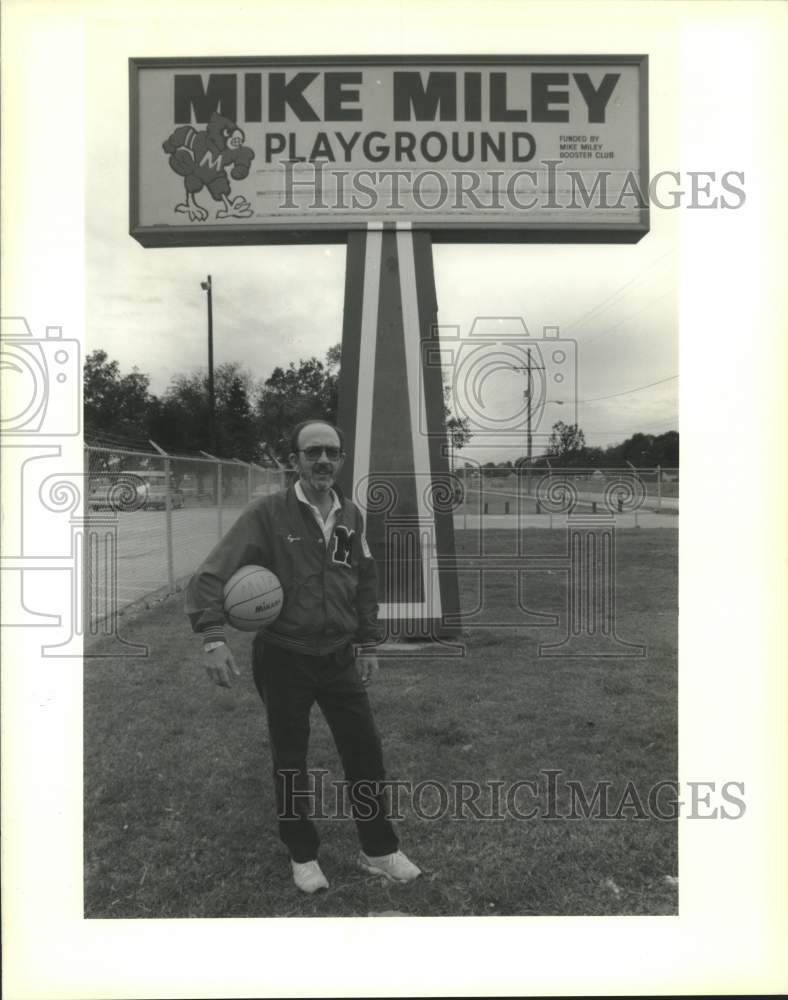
469 148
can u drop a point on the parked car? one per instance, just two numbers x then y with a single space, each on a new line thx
105 496
133 489
152 490
156 497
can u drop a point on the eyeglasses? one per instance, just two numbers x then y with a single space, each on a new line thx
314 452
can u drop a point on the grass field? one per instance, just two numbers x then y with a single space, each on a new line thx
179 815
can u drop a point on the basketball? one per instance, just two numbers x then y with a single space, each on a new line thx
252 598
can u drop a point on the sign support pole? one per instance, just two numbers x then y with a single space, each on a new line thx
397 469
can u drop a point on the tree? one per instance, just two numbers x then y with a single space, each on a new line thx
665 450
645 451
458 429
290 395
119 405
236 430
182 423
567 441
594 457
504 469
331 387
567 447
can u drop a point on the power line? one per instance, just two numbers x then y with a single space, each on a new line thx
627 392
626 320
618 291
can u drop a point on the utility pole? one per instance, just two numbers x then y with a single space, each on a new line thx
528 368
207 287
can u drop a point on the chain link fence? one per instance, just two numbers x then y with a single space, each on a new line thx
504 490
161 514
653 486
152 518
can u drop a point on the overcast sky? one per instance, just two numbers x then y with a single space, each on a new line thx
273 305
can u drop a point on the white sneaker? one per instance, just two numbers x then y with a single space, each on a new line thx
395 867
308 876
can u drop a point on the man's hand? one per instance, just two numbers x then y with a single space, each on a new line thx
367 666
220 665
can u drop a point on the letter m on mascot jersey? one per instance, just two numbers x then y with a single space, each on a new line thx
390 155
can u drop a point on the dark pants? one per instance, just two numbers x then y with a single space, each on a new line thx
289 684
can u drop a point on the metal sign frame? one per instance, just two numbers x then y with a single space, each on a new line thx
491 231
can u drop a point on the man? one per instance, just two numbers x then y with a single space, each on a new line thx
320 648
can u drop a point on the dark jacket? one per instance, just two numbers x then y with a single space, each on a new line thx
330 592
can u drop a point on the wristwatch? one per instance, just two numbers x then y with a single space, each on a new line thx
209 647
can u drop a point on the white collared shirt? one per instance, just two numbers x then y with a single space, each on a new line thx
327 525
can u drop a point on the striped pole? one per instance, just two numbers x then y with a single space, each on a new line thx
391 411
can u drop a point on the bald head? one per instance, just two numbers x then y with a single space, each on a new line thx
295 434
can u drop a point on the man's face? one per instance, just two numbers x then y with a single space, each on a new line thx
316 468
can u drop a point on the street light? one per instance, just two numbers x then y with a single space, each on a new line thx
207 287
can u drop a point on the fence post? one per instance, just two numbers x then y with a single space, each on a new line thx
659 487
249 483
168 524
219 498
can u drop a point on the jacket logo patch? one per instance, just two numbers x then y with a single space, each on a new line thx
292 538
343 538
